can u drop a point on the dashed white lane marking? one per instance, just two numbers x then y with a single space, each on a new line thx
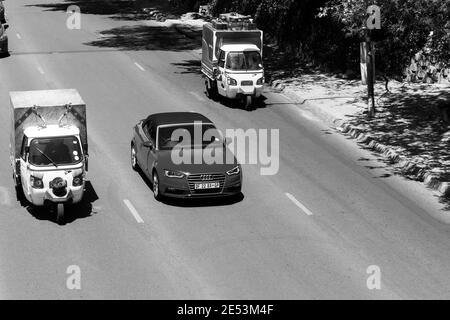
18 36
299 204
197 96
41 71
133 211
139 66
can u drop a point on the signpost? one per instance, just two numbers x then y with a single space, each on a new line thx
368 55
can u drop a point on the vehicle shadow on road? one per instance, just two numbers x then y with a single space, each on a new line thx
204 202
236 104
72 212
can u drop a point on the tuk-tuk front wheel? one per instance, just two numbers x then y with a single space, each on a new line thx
247 102
60 213
211 89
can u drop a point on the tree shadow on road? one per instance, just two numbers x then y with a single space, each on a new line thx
189 66
445 201
140 37
412 123
130 10
100 7
136 37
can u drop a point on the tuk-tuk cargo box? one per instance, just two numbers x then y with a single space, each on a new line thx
27 106
215 35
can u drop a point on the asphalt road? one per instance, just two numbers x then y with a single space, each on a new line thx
311 231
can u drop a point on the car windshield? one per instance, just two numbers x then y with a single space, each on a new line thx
188 135
55 151
248 60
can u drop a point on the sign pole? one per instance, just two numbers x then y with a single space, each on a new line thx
370 76
373 22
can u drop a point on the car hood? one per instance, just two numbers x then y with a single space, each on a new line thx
165 161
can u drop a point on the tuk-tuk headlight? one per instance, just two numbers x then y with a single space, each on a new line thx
36 183
232 82
77 180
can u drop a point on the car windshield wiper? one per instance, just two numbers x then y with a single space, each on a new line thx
50 159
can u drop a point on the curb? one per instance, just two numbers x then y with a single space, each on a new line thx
411 168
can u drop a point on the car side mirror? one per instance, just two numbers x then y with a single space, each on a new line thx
6 26
148 144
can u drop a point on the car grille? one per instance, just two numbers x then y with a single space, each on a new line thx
214 177
247 83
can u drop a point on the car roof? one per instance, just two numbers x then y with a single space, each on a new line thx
165 118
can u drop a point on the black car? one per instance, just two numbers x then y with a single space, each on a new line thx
156 152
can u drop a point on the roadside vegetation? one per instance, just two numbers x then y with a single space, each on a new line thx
327 33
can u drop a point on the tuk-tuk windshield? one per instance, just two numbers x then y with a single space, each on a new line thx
244 61
55 151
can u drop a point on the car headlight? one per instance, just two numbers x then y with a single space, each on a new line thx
232 82
260 81
234 171
173 174
77 180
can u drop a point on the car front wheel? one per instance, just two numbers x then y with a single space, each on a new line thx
156 189
133 159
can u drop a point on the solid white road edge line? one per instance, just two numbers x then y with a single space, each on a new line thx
299 204
139 66
18 36
133 211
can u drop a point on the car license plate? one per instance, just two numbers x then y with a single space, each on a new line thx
209 185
